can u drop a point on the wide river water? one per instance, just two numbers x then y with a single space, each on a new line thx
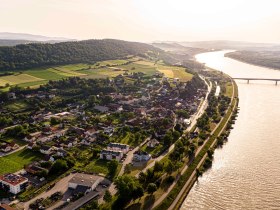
246 171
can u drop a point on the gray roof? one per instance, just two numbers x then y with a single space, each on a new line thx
85 179
121 146
110 152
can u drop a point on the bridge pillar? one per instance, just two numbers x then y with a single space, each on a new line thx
276 82
248 81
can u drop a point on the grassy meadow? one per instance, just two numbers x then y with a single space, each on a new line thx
110 68
16 161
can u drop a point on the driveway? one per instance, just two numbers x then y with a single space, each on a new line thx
60 186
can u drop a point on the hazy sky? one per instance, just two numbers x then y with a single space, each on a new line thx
145 20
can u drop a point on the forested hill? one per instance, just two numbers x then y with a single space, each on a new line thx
270 59
88 51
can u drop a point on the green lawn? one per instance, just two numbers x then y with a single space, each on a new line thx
97 166
16 161
152 151
74 67
229 89
17 106
45 73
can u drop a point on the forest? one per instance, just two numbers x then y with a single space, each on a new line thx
89 51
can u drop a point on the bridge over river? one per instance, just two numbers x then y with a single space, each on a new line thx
264 79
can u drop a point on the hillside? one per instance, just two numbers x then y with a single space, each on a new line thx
88 51
178 48
270 59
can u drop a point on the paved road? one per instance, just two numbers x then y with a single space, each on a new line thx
199 113
187 184
194 118
60 186
83 200
112 189
129 156
193 122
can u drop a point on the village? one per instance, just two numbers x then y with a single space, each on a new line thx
98 125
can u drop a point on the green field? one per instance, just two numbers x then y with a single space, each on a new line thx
229 89
149 69
16 106
103 69
175 72
16 161
17 79
45 73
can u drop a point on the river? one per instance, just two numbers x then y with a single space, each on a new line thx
246 171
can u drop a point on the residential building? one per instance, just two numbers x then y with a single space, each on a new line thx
141 156
6 148
84 183
107 154
13 183
102 109
152 143
118 147
46 150
5 207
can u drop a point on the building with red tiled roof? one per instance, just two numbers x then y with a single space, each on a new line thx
13 183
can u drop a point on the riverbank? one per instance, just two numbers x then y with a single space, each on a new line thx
220 129
186 181
229 183
256 61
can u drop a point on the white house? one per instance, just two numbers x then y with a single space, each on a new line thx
176 81
85 142
13 183
109 130
86 182
6 148
31 145
12 95
141 156
118 147
152 143
46 150
107 154
61 153
91 132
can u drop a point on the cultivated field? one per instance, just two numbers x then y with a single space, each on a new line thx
17 79
103 69
175 72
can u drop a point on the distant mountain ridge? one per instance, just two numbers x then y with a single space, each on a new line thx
12 39
178 48
30 37
225 44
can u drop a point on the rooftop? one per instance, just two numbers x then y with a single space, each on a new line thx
110 152
84 179
13 179
123 146
5 207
